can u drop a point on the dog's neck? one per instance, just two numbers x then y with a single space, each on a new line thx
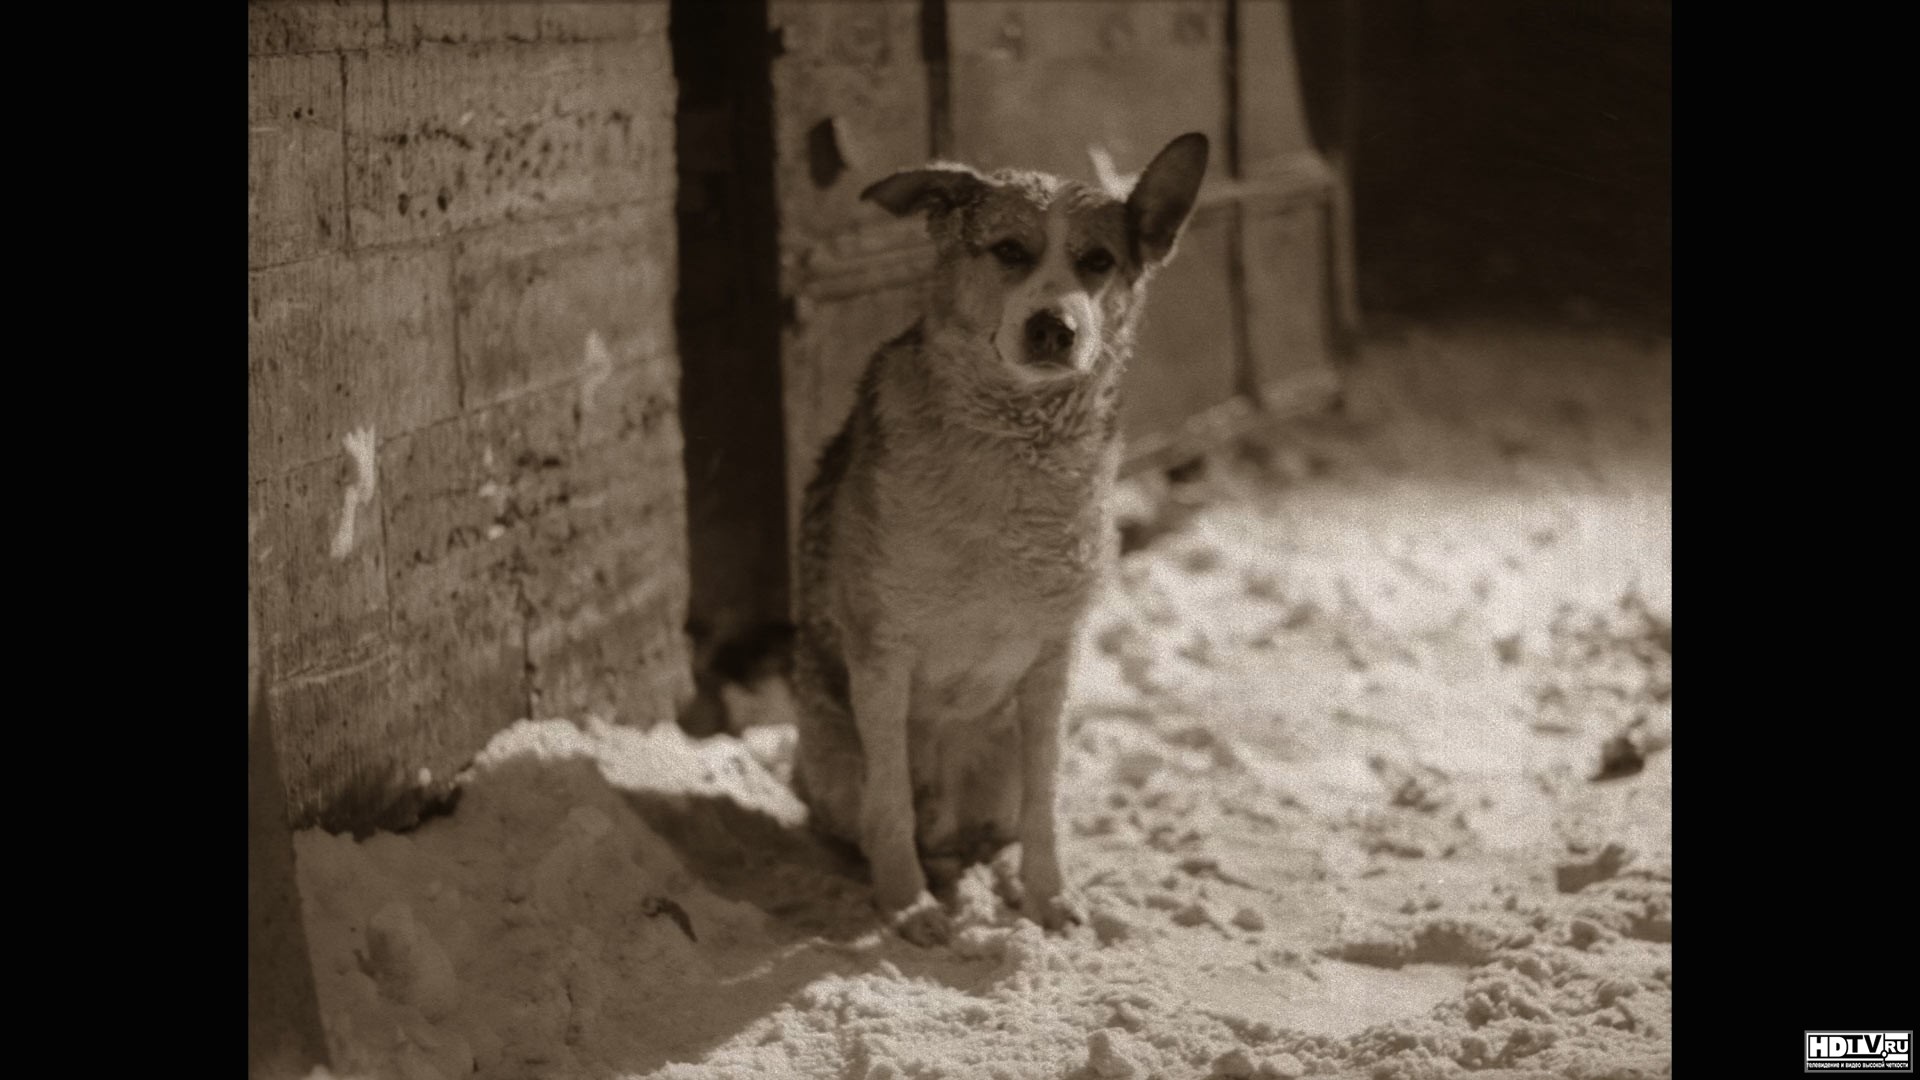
1064 421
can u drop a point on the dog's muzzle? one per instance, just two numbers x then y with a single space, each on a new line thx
1049 340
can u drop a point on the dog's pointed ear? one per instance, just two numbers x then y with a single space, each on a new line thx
1163 198
935 189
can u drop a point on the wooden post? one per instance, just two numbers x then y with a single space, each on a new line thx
1347 142
1326 41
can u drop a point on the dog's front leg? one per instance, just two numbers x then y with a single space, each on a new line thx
880 686
1042 692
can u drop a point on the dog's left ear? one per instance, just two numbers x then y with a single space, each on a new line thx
1164 197
937 189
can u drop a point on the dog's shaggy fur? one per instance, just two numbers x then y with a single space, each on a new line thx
957 525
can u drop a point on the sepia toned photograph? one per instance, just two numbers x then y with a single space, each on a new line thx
960 540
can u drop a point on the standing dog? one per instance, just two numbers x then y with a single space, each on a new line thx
957 525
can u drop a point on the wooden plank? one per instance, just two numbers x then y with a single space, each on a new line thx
1273 118
850 93
1288 292
1036 85
1309 391
827 350
851 98
1185 360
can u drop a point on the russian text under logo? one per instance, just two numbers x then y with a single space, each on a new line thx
1859 1051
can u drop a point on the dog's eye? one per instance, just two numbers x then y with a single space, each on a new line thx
1011 253
1096 261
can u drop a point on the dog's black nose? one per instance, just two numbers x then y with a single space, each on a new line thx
1048 338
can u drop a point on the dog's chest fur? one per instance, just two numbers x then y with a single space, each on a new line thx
965 522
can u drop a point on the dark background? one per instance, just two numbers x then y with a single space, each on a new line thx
1506 157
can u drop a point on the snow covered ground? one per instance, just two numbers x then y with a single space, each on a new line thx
1369 774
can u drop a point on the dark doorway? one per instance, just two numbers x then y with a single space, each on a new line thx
1512 157
728 319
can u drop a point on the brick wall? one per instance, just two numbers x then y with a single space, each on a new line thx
465 495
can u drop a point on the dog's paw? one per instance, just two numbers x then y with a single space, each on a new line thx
1045 900
943 872
923 922
1005 868
1056 912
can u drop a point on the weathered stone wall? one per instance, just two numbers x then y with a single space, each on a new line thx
465 493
